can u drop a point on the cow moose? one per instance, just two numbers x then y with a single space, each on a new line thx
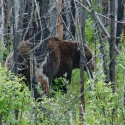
62 57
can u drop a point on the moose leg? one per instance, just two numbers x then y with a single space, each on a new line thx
68 77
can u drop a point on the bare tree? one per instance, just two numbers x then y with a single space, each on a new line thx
59 19
80 10
112 43
72 24
2 29
120 16
112 52
15 42
82 58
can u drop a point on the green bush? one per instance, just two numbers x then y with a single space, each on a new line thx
14 96
100 104
62 109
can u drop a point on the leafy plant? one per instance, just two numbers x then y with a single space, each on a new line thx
14 97
63 109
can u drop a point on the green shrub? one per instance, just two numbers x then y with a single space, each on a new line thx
14 96
62 109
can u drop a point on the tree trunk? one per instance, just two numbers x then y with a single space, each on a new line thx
112 53
112 43
59 19
14 38
8 24
72 25
82 59
120 17
2 30
42 31
106 11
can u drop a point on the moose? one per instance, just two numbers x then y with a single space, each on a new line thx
61 58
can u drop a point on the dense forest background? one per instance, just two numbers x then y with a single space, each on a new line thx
93 97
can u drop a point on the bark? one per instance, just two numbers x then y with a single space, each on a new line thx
59 19
14 38
44 7
72 25
120 17
42 31
52 21
18 20
66 17
26 19
112 43
106 11
2 29
81 37
8 23
112 52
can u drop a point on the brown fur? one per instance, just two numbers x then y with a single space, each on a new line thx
63 56
24 47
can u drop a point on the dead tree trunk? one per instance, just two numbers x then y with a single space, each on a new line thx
41 29
14 38
112 52
72 25
112 43
59 19
65 19
27 19
106 11
120 17
66 16
2 29
8 25
44 7
81 38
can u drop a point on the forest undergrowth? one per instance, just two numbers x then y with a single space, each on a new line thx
63 109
